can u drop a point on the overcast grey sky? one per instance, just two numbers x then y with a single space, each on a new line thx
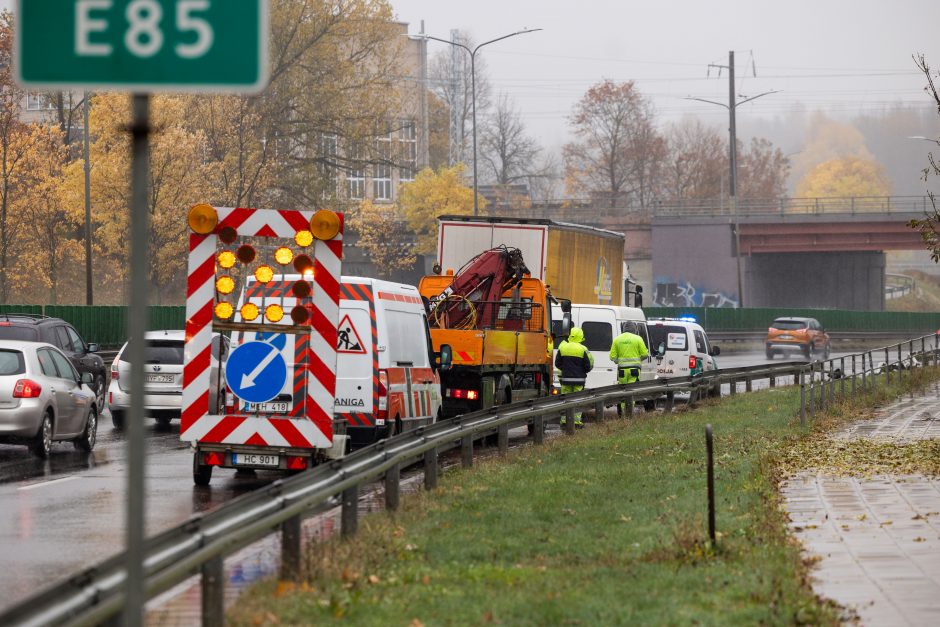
837 56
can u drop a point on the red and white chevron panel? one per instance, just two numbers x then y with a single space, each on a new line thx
313 426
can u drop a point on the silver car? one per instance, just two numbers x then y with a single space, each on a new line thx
163 372
43 399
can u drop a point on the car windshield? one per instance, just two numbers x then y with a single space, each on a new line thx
14 332
11 362
789 325
161 352
670 337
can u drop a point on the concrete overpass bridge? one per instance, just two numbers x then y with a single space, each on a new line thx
795 252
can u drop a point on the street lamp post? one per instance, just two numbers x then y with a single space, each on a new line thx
473 94
733 102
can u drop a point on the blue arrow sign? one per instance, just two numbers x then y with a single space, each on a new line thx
256 372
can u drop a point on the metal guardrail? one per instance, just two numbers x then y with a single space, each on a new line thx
200 544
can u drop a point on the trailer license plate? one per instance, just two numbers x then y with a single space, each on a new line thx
255 459
160 378
266 408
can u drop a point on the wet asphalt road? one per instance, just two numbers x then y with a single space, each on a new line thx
66 513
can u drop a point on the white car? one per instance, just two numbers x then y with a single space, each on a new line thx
43 399
163 369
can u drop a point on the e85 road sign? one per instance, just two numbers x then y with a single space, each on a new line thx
143 45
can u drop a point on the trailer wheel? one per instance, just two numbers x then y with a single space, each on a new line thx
202 474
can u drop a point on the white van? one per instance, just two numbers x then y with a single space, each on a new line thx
601 324
386 377
681 348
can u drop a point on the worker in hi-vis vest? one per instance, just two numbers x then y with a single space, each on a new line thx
628 351
575 362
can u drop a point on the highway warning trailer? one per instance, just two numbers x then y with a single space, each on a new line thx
244 430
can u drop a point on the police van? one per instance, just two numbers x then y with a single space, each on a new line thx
680 347
387 378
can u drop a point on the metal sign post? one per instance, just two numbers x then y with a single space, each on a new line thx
141 46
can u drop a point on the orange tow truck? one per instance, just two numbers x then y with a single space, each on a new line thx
497 321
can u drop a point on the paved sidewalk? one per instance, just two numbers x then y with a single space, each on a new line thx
877 539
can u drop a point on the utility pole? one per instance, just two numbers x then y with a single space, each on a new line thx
733 159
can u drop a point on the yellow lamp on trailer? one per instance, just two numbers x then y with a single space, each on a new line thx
283 255
324 224
274 313
264 274
224 310
225 285
203 219
303 238
249 312
226 259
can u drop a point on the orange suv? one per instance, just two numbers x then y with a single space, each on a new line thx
802 334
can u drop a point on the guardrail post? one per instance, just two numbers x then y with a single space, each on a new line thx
670 401
466 451
599 410
887 367
747 384
213 592
290 550
832 384
349 514
802 400
392 487
502 438
812 391
430 469
538 429
854 391
923 349
842 377
773 382
733 384
871 364
569 420
864 376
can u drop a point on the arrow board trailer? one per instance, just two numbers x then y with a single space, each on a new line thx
231 249
387 375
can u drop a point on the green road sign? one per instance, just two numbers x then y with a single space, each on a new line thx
143 45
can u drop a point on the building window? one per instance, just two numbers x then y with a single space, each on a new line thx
36 101
382 172
356 177
408 141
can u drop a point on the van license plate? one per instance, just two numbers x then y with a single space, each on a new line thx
160 378
267 408
255 459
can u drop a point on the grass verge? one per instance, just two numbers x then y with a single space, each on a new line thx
604 528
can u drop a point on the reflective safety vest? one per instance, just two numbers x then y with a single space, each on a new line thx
628 351
574 359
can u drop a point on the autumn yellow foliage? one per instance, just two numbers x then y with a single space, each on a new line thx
845 177
434 194
384 234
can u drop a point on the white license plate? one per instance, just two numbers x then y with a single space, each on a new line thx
255 459
785 337
267 408
160 378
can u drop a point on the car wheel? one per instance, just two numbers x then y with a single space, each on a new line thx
769 354
100 393
42 443
86 442
826 351
202 474
164 423
117 419
649 405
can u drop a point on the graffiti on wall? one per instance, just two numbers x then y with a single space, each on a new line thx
686 295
